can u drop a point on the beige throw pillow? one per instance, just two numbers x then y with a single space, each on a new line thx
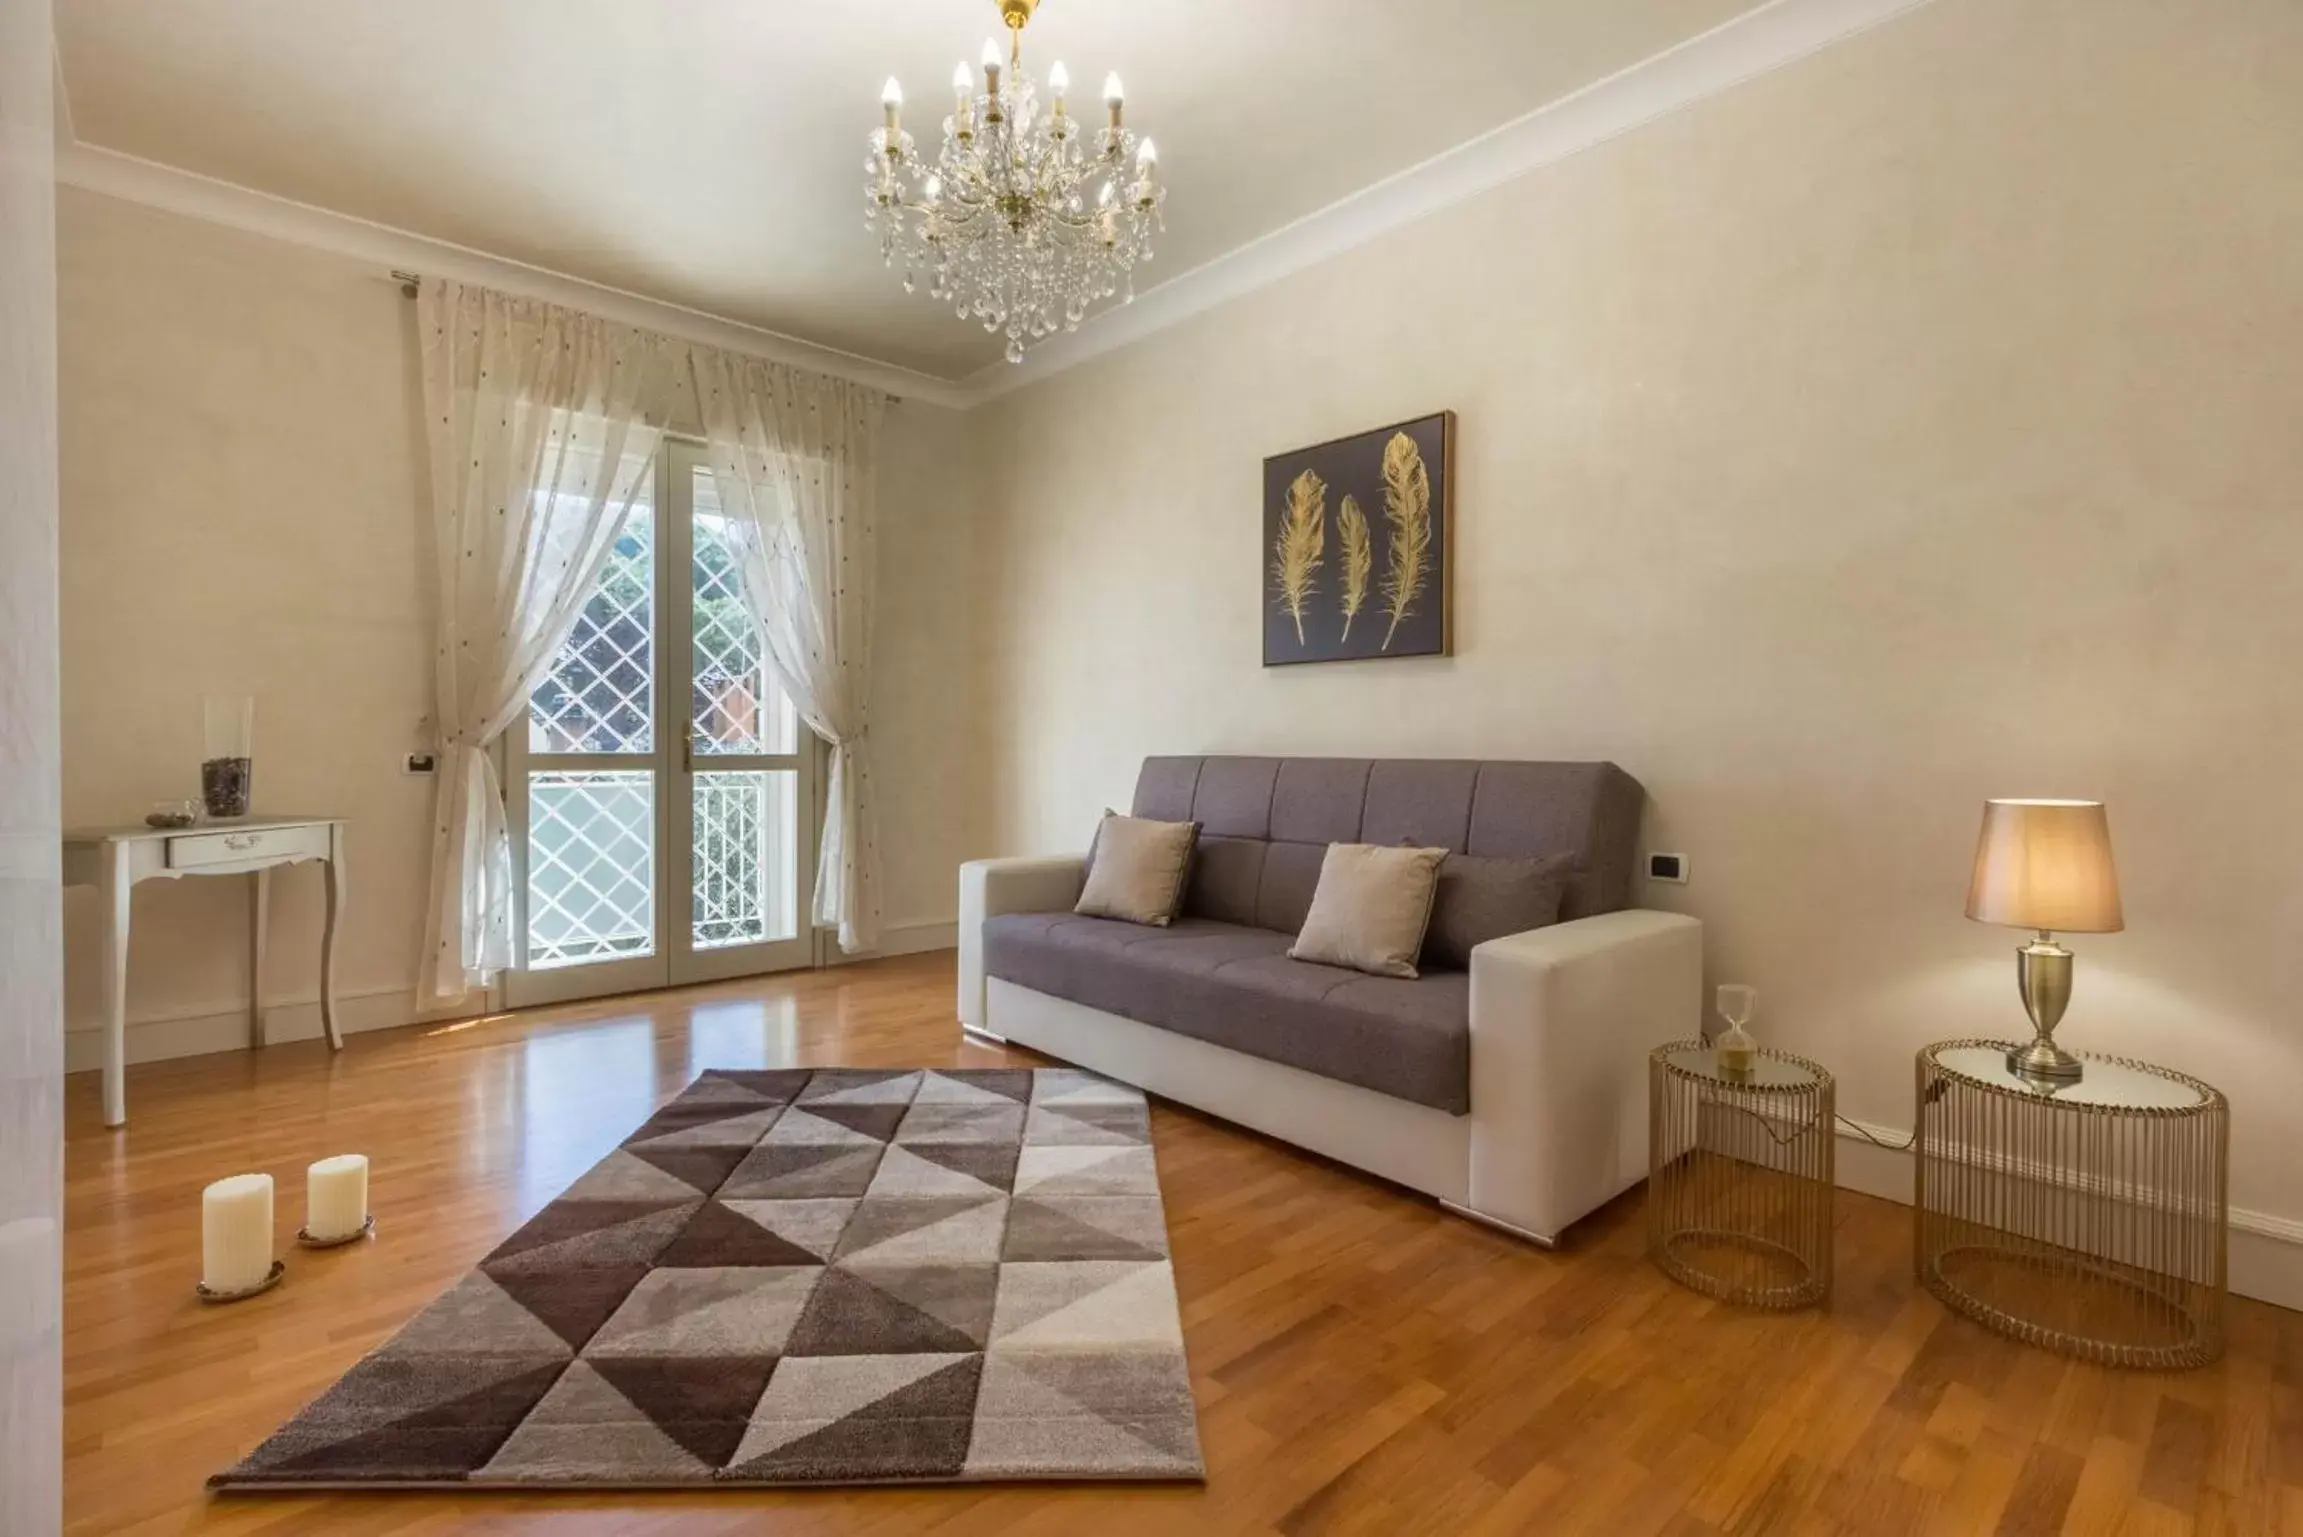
1370 908
1136 869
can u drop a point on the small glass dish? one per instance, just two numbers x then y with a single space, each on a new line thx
172 815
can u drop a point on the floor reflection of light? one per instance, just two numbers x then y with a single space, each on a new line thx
585 1089
750 1032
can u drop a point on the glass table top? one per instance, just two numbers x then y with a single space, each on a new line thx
2105 1085
1766 1072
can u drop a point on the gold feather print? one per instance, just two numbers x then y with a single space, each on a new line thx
1296 553
1407 508
1358 559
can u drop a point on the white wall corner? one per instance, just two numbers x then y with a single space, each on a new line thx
66 135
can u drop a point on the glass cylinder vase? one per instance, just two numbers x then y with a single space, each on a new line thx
227 755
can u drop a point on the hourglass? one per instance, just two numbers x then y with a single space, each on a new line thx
1736 1002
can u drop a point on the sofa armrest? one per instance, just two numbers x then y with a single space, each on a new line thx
989 887
1562 1021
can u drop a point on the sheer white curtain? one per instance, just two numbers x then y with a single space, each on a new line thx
794 457
542 424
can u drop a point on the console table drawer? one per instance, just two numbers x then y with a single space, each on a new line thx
196 850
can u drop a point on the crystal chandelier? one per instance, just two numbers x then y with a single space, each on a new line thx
1024 219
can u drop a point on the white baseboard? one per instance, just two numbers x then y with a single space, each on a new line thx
2266 1250
192 1035
914 938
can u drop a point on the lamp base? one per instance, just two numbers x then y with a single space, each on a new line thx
2043 976
2044 1059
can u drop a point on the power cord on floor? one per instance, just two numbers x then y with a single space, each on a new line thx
1934 1093
1766 1124
1904 1146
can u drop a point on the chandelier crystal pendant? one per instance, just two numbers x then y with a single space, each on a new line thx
1025 218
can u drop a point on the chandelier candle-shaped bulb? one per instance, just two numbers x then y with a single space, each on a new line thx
892 103
1114 96
1059 82
991 67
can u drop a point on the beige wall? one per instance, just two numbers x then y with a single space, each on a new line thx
1915 424
926 748
31 1129
241 463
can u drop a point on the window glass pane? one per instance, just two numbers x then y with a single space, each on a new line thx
591 867
734 705
600 693
746 858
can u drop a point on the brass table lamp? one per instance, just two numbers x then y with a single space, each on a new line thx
2045 865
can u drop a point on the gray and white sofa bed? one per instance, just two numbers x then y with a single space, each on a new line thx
1514 1092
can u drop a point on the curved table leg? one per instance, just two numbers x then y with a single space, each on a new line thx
259 924
336 891
112 887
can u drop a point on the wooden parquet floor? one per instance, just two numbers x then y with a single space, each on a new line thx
1363 1362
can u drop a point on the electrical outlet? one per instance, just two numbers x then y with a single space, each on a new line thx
419 763
1667 867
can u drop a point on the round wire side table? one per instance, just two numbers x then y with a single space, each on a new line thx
1739 1175
2086 1215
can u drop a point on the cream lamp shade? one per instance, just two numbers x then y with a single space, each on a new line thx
2045 864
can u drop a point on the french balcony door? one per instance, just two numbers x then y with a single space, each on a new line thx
662 799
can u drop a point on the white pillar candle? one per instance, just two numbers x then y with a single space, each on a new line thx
236 1233
335 1197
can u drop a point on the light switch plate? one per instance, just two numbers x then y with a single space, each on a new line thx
1667 867
420 763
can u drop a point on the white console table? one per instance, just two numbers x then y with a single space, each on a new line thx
114 859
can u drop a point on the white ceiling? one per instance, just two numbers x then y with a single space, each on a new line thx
710 152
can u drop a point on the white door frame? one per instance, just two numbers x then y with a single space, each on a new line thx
674 959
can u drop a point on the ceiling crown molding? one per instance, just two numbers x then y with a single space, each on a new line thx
1756 43
1753 44
136 180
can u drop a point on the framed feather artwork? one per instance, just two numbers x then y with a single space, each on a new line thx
1357 540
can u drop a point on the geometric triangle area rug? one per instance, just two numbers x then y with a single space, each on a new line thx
799 1276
